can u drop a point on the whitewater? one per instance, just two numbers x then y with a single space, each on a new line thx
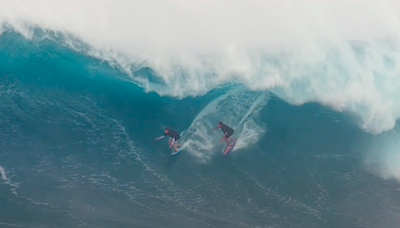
310 87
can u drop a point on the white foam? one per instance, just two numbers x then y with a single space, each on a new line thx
183 26
299 49
8 181
249 135
383 157
3 174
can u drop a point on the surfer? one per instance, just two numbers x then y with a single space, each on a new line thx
227 132
174 137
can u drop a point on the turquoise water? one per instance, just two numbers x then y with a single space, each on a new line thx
78 150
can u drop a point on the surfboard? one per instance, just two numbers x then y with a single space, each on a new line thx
175 152
232 146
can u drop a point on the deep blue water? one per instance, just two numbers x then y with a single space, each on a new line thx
78 150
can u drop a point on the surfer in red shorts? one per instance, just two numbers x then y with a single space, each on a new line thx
228 132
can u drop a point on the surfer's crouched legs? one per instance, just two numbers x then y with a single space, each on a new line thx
169 143
228 134
227 142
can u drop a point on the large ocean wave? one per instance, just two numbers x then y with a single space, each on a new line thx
346 59
87 85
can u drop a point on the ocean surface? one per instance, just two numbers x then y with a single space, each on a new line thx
77 145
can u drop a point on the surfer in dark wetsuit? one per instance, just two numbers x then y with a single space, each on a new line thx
174 137
227 132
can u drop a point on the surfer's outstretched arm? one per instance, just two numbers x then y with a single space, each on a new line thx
159 137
